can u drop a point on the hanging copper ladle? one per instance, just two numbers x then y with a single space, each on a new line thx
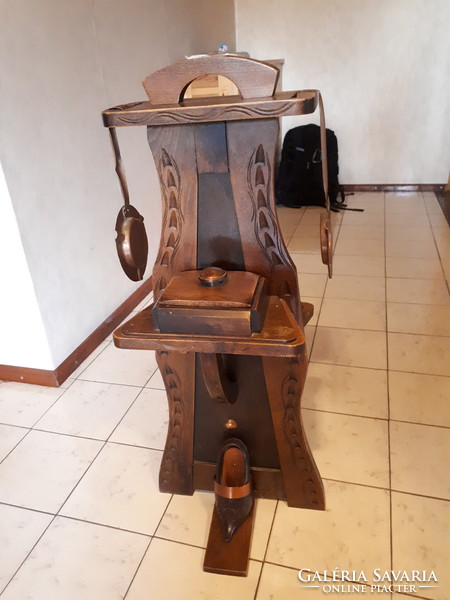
131 240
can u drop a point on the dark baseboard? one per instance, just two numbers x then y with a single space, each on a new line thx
394 187
67 367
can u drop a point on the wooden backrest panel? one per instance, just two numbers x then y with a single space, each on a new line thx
254 79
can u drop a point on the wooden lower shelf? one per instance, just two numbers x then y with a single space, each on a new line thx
280 336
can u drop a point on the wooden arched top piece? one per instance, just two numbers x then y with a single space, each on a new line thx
254 79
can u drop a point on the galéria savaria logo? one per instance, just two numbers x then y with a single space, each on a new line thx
379 581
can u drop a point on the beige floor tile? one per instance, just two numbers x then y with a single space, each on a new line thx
420 455
443 247
353 314
350 347
121 490
65 385
23 404
359 247
89 409
421 534
316 302
420 231
78 561
127 367
419 353
419 398
363 219
348 390
20 530
371 202
405 206
417 291
283 583
356 232
289 214
370 266
425 319
348 448
279 583
306 245
438 219
354 287
310 334
403 196
306 230
416 268
187 520
44 468
10 436
312 215
287 232
446 268
406 220
411 248
156 381
442 233
173 571
353 531
91 357
146 423
308 263
312 284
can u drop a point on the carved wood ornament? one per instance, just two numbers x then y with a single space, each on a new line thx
215 161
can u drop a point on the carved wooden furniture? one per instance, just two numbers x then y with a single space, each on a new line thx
215 162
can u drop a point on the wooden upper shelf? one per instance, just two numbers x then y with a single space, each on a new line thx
280 336
223 108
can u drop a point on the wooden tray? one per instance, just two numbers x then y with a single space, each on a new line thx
280 336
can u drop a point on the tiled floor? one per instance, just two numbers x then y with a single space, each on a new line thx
81 516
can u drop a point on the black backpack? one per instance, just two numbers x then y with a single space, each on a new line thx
300 173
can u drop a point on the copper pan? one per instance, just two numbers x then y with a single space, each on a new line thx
131 240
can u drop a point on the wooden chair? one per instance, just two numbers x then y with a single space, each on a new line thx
215 159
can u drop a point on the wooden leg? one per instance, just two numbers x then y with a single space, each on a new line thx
178 373
285 379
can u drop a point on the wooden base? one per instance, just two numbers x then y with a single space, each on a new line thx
229 558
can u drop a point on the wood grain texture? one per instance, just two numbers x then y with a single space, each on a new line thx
248 408
174 153
252 78
280 336
228 558
251 152
285 380
214 376
227 108
178 373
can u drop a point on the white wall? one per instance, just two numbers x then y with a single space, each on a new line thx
383 67
63 63
21 323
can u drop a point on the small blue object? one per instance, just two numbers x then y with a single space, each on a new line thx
222 49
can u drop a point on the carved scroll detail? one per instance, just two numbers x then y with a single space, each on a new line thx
259 179
291 390
196 115
264 221
172 225
173 457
